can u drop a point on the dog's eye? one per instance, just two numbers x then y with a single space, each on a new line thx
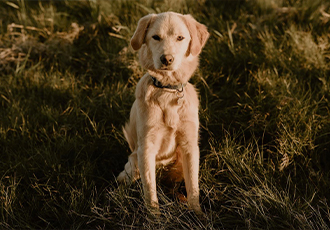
156 37
180 38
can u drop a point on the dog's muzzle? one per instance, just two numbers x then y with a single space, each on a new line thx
167 59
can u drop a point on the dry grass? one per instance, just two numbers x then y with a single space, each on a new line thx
67 80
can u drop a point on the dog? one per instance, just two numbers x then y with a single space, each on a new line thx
163 128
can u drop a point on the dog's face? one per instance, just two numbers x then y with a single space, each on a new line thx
168 39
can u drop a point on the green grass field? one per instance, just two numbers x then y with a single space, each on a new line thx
67 81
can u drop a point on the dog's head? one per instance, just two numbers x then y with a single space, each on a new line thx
168 39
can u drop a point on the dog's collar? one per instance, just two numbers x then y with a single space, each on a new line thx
158 84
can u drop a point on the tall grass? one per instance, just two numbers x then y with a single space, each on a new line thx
67 81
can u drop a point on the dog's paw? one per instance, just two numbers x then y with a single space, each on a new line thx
154 210
123 178
155 213
202 218
197 210
199 213
128 177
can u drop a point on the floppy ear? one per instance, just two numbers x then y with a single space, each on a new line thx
141 31
198 34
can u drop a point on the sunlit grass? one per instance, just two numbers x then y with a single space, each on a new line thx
67 81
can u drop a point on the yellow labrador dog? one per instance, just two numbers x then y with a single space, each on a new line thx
163 125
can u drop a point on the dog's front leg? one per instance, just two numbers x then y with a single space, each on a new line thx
190 170
147 166
190 164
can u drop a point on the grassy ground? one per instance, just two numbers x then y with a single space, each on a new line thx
67 79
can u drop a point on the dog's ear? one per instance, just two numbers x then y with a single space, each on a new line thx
140 33
198 34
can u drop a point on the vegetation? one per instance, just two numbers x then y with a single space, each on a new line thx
67 81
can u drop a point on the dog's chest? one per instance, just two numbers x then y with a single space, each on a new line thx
171 108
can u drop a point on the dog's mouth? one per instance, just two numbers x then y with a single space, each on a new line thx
166 68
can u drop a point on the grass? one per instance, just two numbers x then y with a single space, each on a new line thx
67 80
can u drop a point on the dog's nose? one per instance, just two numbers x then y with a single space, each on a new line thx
167 59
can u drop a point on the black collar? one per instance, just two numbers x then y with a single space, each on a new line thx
158 84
